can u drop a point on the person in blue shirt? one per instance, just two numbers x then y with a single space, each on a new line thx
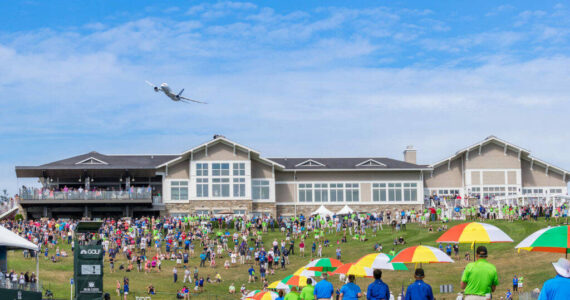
378 290
324 289
515 284
509 295
419 289
557 288
350 291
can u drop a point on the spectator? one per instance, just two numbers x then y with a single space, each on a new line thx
308 291
350 291
324 289
480 277
419 289
292 295
557 288
378 290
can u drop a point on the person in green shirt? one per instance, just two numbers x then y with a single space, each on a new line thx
480 277
292 295
307 293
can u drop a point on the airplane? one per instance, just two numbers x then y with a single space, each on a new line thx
174 97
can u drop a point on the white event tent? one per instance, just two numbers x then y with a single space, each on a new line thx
11 241
345 210
323 212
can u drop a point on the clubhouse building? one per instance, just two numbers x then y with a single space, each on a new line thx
221 176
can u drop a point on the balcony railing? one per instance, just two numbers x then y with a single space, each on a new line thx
30 195
14 285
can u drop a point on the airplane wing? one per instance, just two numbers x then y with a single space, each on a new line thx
188 99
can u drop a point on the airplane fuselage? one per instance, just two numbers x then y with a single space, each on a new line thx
166 90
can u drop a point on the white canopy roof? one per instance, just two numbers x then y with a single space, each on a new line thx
11 240
323 212
345 210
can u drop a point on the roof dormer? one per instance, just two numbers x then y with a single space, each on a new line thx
371 163
310 163
91 161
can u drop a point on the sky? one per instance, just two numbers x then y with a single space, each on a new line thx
287 78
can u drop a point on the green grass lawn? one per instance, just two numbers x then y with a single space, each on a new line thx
535 267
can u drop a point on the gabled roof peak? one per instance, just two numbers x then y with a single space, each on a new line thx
310 163
371 163
91 161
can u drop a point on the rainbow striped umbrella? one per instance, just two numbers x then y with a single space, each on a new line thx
353 269
380 261
324 264
474 232
264 296
252 293
307 273
550 239
421 255
295 280
278 285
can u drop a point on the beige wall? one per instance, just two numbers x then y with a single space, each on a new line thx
492 157
285 193
475 177
511 177
365 190
180 170
493 177
538 177
444 177
220 151
260 170
283 176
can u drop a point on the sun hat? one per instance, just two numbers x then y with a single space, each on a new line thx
562 267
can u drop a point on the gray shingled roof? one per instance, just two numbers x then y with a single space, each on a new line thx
346 163
111 162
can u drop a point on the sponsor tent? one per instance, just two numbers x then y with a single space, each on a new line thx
345 211
12 241
323 212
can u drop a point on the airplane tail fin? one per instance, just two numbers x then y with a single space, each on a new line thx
181 91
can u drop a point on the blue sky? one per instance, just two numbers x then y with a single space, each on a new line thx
288 78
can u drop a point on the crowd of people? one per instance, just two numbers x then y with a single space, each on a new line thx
80 192
144 244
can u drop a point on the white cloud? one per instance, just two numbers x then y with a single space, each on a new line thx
303 82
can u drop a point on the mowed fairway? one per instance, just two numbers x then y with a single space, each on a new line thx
535 267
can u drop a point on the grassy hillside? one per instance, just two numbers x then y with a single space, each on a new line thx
535 267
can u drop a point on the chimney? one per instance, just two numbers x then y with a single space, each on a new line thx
410 154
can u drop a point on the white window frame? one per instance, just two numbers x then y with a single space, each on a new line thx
210 177
169 190
271 189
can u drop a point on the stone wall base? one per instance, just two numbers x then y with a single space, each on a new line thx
277 210
192 206
269 208
290 210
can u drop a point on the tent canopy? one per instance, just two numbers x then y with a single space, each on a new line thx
323 212
10 240
345 210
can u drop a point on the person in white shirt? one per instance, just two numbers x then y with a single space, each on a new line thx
187 275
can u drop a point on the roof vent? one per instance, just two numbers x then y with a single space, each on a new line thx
217 136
